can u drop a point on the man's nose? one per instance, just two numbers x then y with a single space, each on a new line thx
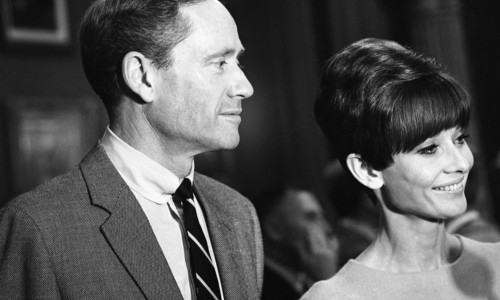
241 88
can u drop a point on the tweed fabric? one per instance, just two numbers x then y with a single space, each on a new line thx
83 235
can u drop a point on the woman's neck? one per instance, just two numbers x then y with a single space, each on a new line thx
410 244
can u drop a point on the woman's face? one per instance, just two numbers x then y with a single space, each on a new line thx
429 181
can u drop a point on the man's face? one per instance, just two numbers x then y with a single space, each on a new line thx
301 215
198 102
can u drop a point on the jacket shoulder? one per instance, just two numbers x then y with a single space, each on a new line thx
68 187
212 187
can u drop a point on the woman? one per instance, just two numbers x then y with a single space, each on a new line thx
397 123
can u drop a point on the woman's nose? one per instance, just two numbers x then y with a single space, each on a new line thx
460 159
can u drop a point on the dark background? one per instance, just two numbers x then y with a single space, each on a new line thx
287 41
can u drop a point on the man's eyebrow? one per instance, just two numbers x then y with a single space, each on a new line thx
225 52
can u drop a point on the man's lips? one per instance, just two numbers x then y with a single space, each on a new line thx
231 113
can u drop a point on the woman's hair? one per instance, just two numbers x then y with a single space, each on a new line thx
378 98
112 28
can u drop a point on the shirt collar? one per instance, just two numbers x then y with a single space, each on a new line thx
141 173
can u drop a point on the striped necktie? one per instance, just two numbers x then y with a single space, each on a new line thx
202 266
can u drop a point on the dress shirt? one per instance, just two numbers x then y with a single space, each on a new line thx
153 186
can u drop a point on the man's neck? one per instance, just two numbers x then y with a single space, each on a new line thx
150 145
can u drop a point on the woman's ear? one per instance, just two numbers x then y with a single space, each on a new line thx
138 74
363 172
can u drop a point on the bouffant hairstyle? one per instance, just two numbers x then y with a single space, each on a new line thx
378 98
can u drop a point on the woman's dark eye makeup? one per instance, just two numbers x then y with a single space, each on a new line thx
428 149
431 149
462 138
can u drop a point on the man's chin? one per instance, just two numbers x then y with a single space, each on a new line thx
232 145
228 142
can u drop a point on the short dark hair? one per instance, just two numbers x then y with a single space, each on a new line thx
378 98
272 197
112 28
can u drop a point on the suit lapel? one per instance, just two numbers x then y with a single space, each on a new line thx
127 229
225 241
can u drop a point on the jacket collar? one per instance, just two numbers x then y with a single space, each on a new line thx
127 229
228 245
129 233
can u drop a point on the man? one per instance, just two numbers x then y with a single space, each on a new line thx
121 225
299 245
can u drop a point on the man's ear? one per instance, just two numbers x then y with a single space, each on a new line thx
138 74
363 172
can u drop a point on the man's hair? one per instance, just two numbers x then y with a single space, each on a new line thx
378 98
112 28
273 197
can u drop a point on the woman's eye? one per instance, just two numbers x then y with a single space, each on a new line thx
462 139
429 150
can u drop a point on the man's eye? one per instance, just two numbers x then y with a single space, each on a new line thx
221 64
429 150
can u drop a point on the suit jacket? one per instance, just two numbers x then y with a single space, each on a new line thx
83 235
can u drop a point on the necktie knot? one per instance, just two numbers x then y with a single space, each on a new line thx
184 191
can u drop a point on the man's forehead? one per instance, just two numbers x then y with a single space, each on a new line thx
213 32
304 200
205 11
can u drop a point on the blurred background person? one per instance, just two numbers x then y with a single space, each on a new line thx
299 245
356 214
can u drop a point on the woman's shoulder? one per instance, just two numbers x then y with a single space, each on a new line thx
475 250
327 289
319 292
477 268
346 284
472 245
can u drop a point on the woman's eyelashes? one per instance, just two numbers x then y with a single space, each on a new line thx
428 150
462 139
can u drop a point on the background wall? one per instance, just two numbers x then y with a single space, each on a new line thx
287 42
43 75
